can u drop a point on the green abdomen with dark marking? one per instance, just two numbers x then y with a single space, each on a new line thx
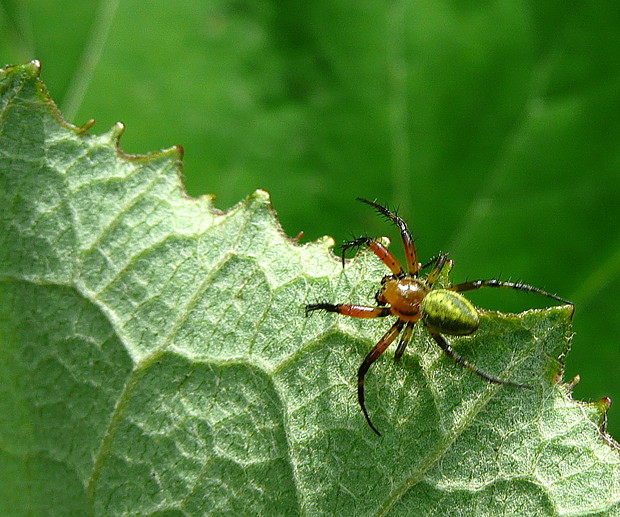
450 313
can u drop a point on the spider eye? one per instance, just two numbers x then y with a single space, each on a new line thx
449 313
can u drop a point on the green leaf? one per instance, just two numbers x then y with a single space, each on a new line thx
493 125
155 360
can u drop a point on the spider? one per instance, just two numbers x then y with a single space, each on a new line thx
412 298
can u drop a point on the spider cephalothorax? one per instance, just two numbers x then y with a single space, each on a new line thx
412 298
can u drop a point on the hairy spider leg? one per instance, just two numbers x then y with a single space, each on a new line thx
410 252
450 352
374 354
477 284
404 340
384 254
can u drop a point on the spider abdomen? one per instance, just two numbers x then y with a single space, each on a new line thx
450 313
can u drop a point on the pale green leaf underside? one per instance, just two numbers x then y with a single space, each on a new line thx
155 360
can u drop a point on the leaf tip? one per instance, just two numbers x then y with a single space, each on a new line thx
601 408
571 385
116 131
260 195
86 126
34 67
603 404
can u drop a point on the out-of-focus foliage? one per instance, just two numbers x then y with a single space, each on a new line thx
155 360
495 126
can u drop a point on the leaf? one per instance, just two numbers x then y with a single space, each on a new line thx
502 117
155 360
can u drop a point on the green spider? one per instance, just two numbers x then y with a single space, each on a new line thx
411 298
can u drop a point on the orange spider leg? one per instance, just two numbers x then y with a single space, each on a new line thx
410 251
355 311
384 254
374 354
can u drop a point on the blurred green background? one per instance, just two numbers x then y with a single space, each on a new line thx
494 126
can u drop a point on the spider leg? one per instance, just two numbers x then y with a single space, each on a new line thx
384 254
450 352
374 354
410 251
432 261
477 284
404 340
355 311
440 262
